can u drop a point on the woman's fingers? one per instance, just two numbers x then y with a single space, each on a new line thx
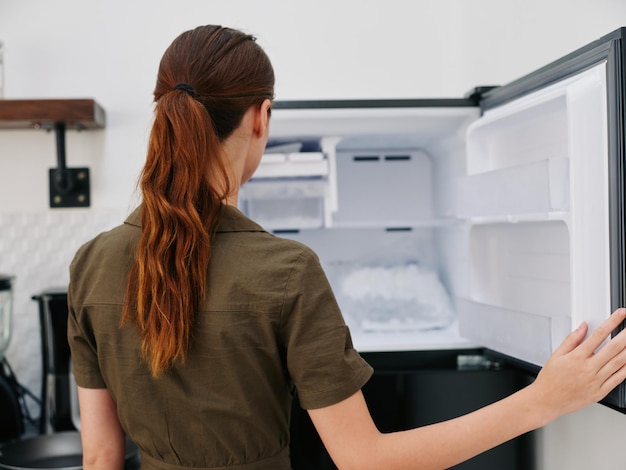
613 372
572 340
611 358
600 334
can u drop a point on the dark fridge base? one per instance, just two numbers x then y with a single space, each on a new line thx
411 389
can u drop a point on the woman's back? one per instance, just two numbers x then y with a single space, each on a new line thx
268 314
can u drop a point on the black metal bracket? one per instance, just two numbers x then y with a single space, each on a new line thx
69 187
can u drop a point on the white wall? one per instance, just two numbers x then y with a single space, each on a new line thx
320 49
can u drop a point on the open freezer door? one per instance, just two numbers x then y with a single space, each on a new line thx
543 198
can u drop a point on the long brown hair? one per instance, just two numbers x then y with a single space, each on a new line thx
208 78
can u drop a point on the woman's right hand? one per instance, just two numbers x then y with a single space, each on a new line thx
583 371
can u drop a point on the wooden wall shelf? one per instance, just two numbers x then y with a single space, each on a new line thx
45 113
69 187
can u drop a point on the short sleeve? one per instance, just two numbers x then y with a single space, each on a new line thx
322 362
83 349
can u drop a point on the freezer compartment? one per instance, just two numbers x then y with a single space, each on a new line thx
389 286
374 216
505 210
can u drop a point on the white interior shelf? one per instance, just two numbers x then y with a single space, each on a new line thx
538 187
523 335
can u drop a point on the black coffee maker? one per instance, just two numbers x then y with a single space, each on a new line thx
58 401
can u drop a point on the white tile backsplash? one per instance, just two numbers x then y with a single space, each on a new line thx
37 249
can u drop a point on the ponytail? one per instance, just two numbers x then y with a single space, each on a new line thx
184 182
208 78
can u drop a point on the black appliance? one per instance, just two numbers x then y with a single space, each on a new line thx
417 388
56 394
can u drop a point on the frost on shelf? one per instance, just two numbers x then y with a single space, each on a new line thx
397 298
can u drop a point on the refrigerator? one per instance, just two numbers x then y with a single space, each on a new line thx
492 222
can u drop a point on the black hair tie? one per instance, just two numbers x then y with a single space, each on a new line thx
185 87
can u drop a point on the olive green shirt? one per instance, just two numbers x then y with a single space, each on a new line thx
269 325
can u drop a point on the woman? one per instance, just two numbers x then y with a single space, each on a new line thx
191 327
